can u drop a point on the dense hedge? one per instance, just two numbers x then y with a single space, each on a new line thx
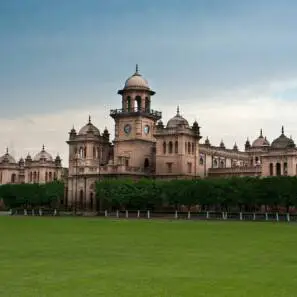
32 195
242 194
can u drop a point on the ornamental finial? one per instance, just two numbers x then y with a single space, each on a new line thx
89 119
136 70
282 129
261 133
177 110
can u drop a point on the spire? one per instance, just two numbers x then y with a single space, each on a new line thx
177 111
89 119
261 133
43 148
282 129
6 150
136 69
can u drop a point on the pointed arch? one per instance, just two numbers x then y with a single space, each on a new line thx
176 147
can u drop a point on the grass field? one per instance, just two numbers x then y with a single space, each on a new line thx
81 257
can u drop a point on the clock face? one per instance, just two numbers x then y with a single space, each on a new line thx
127 129
146 129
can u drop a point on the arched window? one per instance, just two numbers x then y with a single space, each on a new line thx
278 169
164 147
176 147
222 164
271 169
170 147
31 177
285 168
147 104
193 148
13 178
215 163
46 177
201 161
189 148
128 107
50 176
85 152
137 104
81 152
146 163
34 177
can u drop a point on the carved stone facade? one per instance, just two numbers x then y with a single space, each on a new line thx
41 169
144 147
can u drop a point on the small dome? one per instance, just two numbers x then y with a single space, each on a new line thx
235 147
222 145
136 81
177 121
283 142
28 158
261 141
43 155
89 128
207 142
7 158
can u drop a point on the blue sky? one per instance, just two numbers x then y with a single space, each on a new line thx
68 58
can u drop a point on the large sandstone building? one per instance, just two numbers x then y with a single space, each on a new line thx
145 147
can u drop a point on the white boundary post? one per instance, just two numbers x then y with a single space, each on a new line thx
117 213
148 214
240 216
288 217
105 213
127 214
266 216
138 214
176 215
254 216
189 215
207 215
277 217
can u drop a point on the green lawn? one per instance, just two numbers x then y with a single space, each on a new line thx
82 257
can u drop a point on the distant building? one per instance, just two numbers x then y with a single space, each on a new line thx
41 169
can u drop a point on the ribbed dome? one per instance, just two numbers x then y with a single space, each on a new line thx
136 81
282 142
260 141
43 155
7 158
177 121
89 128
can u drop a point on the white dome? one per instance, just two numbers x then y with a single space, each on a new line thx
7 158
136 81
43 155
177 121
89 128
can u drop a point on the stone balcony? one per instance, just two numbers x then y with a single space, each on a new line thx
235 171
150 113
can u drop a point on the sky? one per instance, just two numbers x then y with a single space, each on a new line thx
231 65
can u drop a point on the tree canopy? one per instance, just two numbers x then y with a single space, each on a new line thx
238 193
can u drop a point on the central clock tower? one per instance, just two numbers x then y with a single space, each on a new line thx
134 143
